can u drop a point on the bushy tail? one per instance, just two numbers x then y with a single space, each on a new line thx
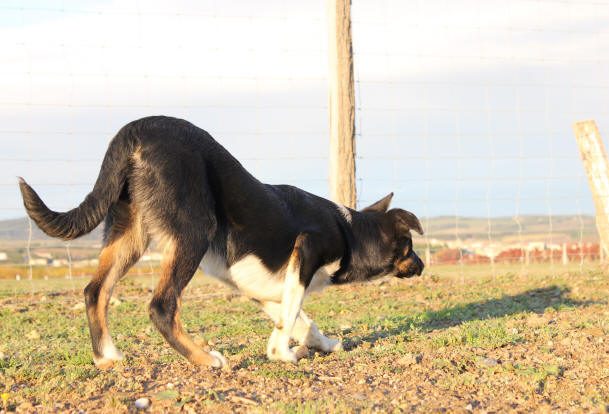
87 216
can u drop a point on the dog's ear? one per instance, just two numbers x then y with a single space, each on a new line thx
380 206
406 219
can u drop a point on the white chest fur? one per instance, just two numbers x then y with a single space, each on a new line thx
253 279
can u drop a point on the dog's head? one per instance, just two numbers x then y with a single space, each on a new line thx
398 224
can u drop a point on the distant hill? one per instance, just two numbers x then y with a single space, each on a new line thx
508 229
18 230
504 229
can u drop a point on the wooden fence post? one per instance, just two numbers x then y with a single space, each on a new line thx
341 103
597 169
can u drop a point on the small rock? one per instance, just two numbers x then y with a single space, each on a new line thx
243 400
489 362
142 403
514 331
78 306
469 407
115 301
407 360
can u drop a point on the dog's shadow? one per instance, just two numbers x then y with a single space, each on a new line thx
535 300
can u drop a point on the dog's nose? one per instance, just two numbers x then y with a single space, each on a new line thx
420 266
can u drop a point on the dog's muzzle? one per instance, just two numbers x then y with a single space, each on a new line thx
414 267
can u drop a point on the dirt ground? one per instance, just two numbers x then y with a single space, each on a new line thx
451 341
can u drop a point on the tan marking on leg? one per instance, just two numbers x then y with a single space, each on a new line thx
166 292
126 242
96 314
291 302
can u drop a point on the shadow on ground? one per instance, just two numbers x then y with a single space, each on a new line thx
535 300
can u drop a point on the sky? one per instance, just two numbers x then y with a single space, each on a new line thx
463 108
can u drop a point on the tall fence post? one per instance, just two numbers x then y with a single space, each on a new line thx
597 169
341 103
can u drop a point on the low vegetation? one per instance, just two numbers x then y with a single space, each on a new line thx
469 339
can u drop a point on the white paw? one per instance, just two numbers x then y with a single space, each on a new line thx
115 355
326 344
334 345
277 354
110 355
109 358
219 360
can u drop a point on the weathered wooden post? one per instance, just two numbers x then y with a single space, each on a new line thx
341 103
597 169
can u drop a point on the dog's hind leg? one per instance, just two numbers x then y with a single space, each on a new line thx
126 240
180 261
305 331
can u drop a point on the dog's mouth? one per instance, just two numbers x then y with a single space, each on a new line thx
413 267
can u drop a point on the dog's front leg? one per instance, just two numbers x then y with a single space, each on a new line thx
291 302
305 331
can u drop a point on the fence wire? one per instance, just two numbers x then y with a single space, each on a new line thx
463 110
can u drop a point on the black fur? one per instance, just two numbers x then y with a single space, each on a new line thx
166 178
87 216
194 188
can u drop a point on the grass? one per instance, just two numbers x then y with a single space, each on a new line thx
418 344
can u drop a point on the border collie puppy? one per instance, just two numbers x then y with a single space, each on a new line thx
164 178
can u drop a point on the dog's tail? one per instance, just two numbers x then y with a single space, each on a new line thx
108 187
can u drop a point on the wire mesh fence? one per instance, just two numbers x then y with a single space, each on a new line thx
464 110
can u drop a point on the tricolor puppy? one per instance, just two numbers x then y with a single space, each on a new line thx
165 179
